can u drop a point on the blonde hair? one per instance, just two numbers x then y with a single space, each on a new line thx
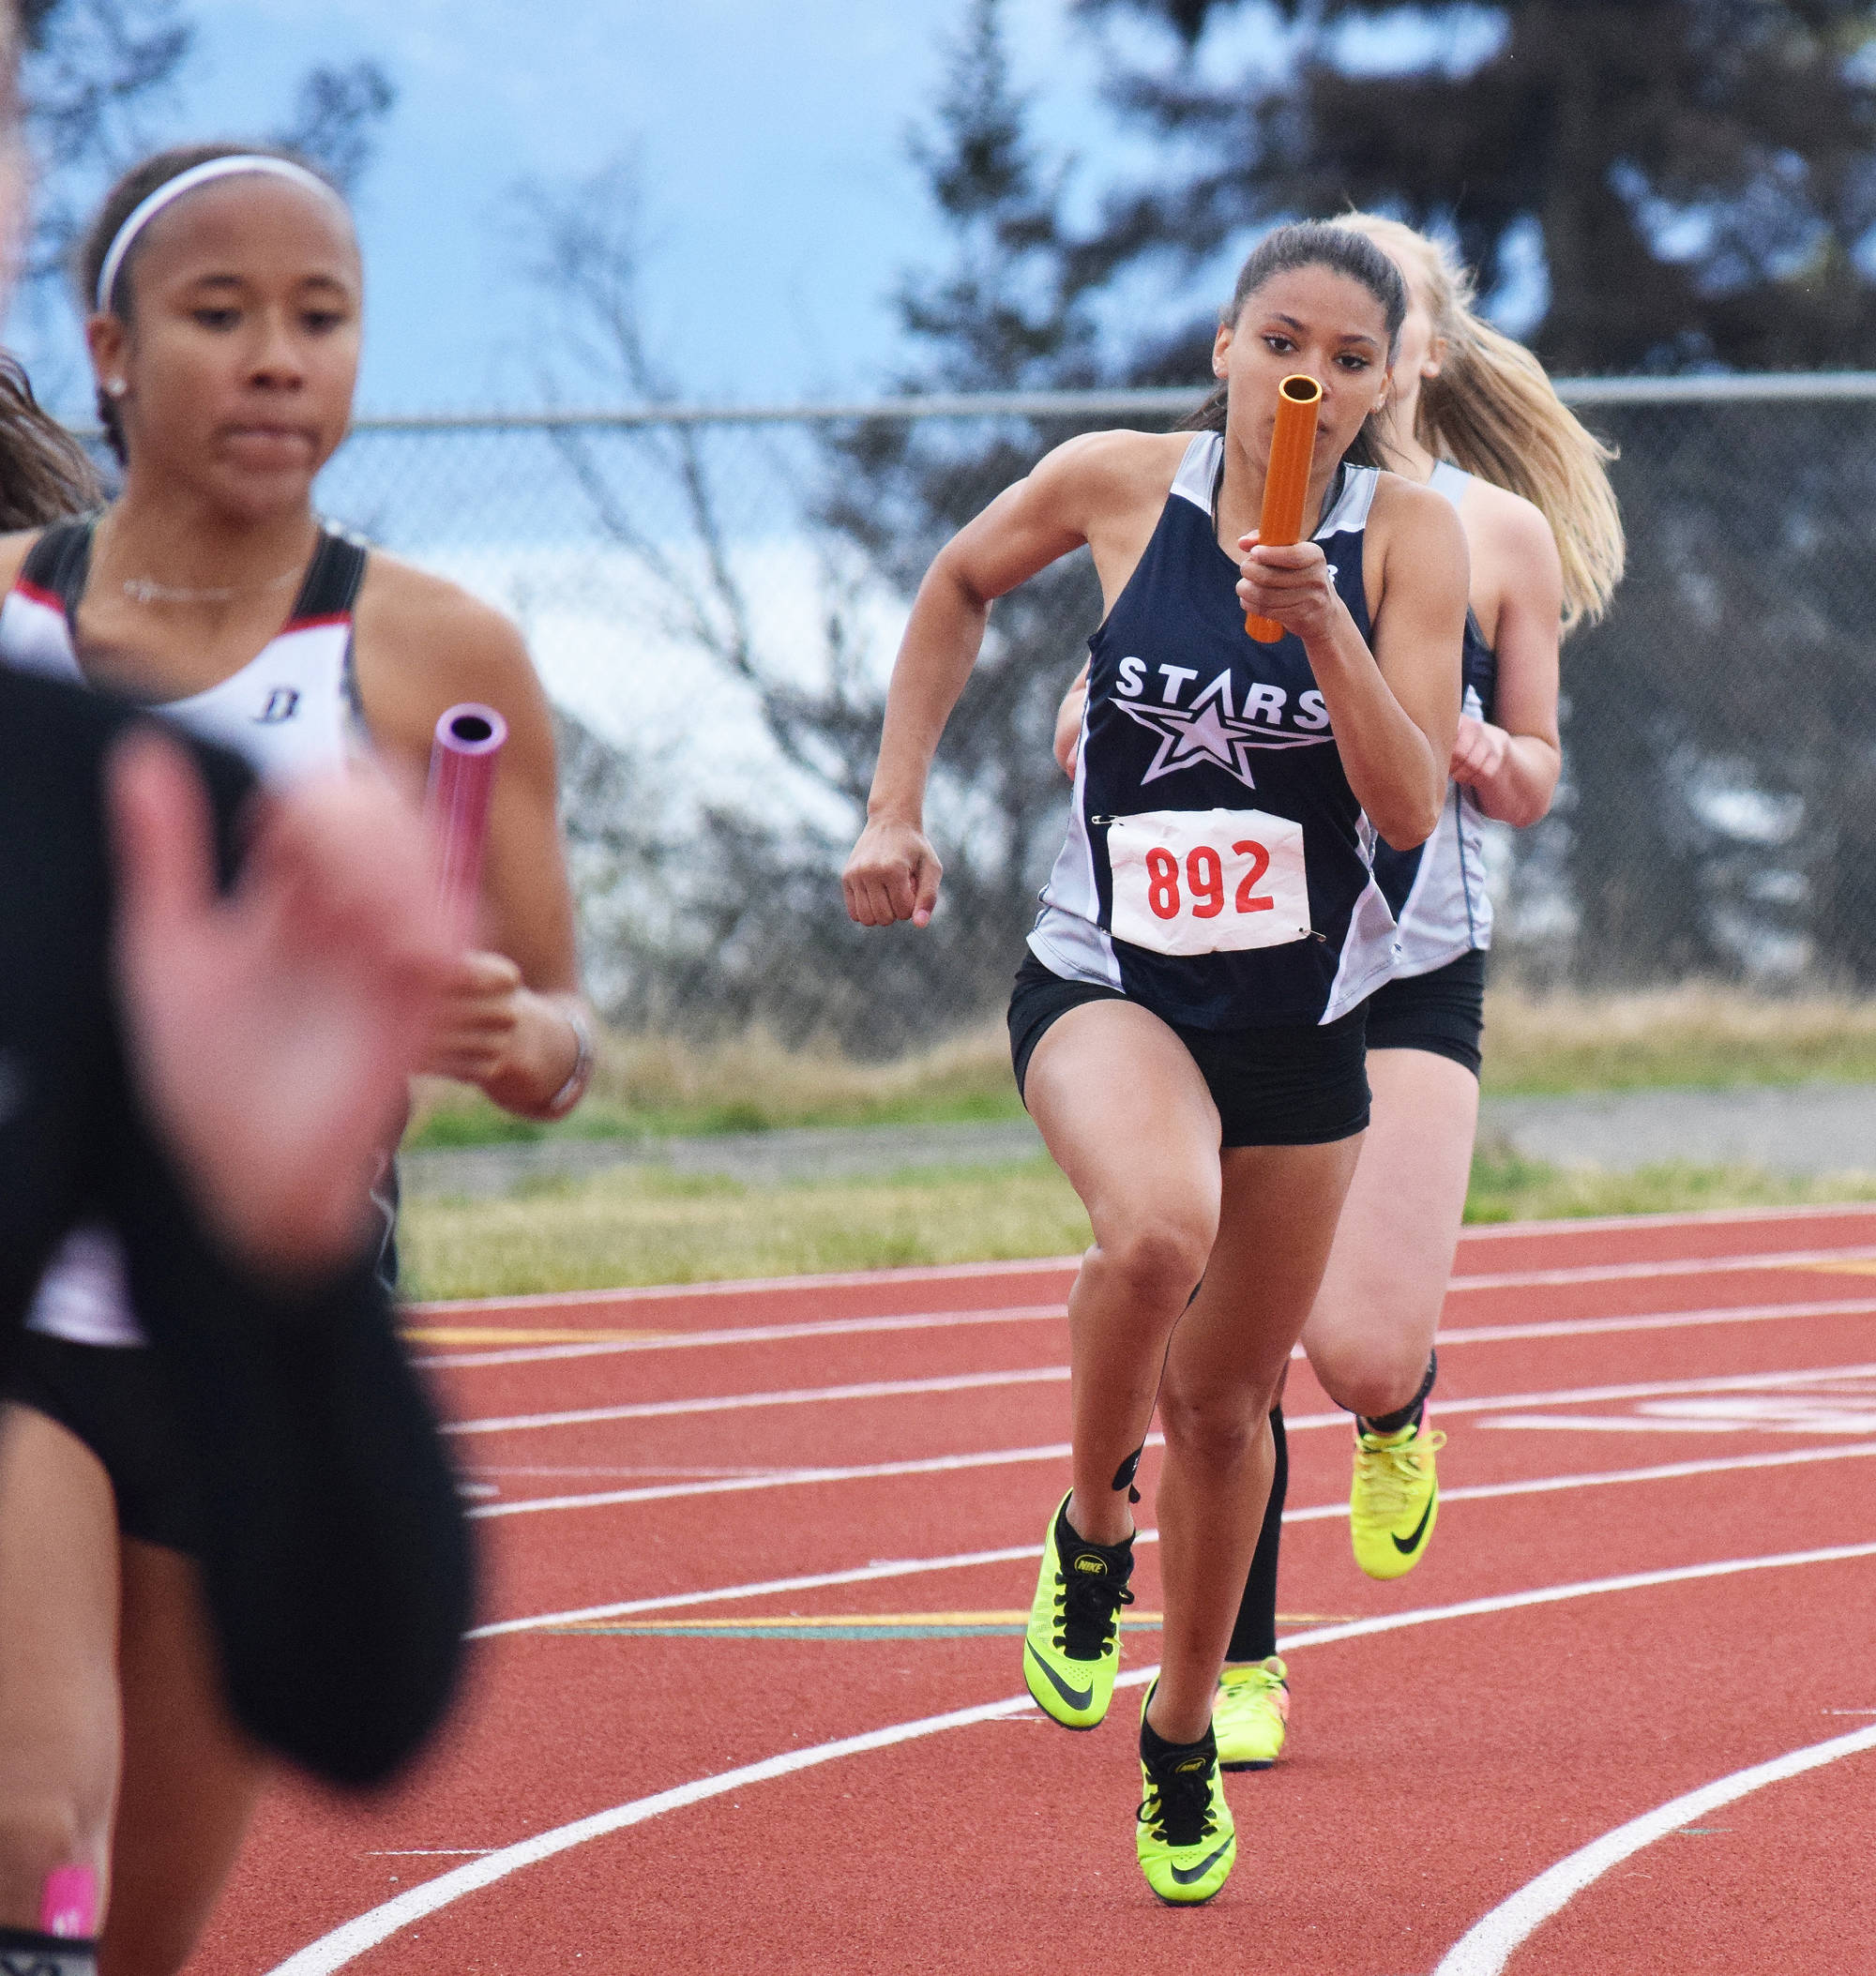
1493 410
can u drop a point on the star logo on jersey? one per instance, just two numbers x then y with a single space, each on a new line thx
1208 733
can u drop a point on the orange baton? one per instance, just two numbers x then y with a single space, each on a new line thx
1286 483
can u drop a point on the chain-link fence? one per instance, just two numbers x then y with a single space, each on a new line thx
714 597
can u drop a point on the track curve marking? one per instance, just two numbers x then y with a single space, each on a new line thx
1490 1943
353 1939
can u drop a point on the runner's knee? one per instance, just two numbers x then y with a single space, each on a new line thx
1216 1430
1376 1376
1156 1259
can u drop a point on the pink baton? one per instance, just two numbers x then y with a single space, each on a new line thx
463 762
68 1906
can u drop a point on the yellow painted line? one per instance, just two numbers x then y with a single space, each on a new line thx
1861 1267
493 1335
784 1623
787 1622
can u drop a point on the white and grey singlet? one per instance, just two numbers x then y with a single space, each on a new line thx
1437 890
290 711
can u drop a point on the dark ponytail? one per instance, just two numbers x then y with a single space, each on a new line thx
45 474
1312 243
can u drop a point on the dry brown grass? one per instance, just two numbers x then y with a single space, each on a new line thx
966 1077
1697 1034
657 1086
651 1086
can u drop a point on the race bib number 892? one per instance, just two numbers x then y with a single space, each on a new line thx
1207 881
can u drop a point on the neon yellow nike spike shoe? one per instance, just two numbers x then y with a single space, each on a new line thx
1071 1651
1251 1714
1184 1834
1394 1501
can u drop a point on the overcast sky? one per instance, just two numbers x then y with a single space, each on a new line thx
772 136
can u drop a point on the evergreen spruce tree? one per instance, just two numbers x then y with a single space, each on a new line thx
1695 181
1699 174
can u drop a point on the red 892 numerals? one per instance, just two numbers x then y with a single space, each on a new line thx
1205 881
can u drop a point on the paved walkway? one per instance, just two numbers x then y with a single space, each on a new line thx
1800 1129
1797 1129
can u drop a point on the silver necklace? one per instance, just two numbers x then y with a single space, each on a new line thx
146 589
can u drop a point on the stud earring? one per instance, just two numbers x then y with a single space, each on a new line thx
116 387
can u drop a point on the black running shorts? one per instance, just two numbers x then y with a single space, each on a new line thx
1442 1012
1299 1085
113 1399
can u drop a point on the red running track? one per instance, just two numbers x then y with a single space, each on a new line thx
806 1517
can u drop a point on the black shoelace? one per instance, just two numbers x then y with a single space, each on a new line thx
1179 1810
1091 1602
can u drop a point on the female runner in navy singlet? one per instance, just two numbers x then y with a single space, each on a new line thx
1187 1029
1470 414
224 289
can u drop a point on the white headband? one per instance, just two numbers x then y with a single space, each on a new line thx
171 190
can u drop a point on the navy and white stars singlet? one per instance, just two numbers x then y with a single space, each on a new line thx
1218 867
1437 890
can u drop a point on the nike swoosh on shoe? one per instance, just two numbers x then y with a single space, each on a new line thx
1187 1875
1075 1697
1405 1544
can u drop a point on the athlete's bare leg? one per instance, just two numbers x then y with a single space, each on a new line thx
191 1778
58 1660
1127 1115
1372 1326
1222 1375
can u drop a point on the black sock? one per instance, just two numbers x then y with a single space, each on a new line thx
1409 1415
1156 1749
24 1952
1254 1637
1069 1540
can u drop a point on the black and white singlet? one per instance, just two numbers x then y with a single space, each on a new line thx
1437 890
1218 867
290 711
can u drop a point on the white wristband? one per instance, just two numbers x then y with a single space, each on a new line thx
570 1093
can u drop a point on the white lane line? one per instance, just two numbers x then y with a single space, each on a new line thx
787 1478
1049 1265
1739 1413
1059 1450
351 1939
767 1588
1040 1375
1584 1396
788 1396
1654 1321
759 1285
1486 1947
1677 1266
1312 1512
1685 1218
1660 1472
1032 1313
748 1335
